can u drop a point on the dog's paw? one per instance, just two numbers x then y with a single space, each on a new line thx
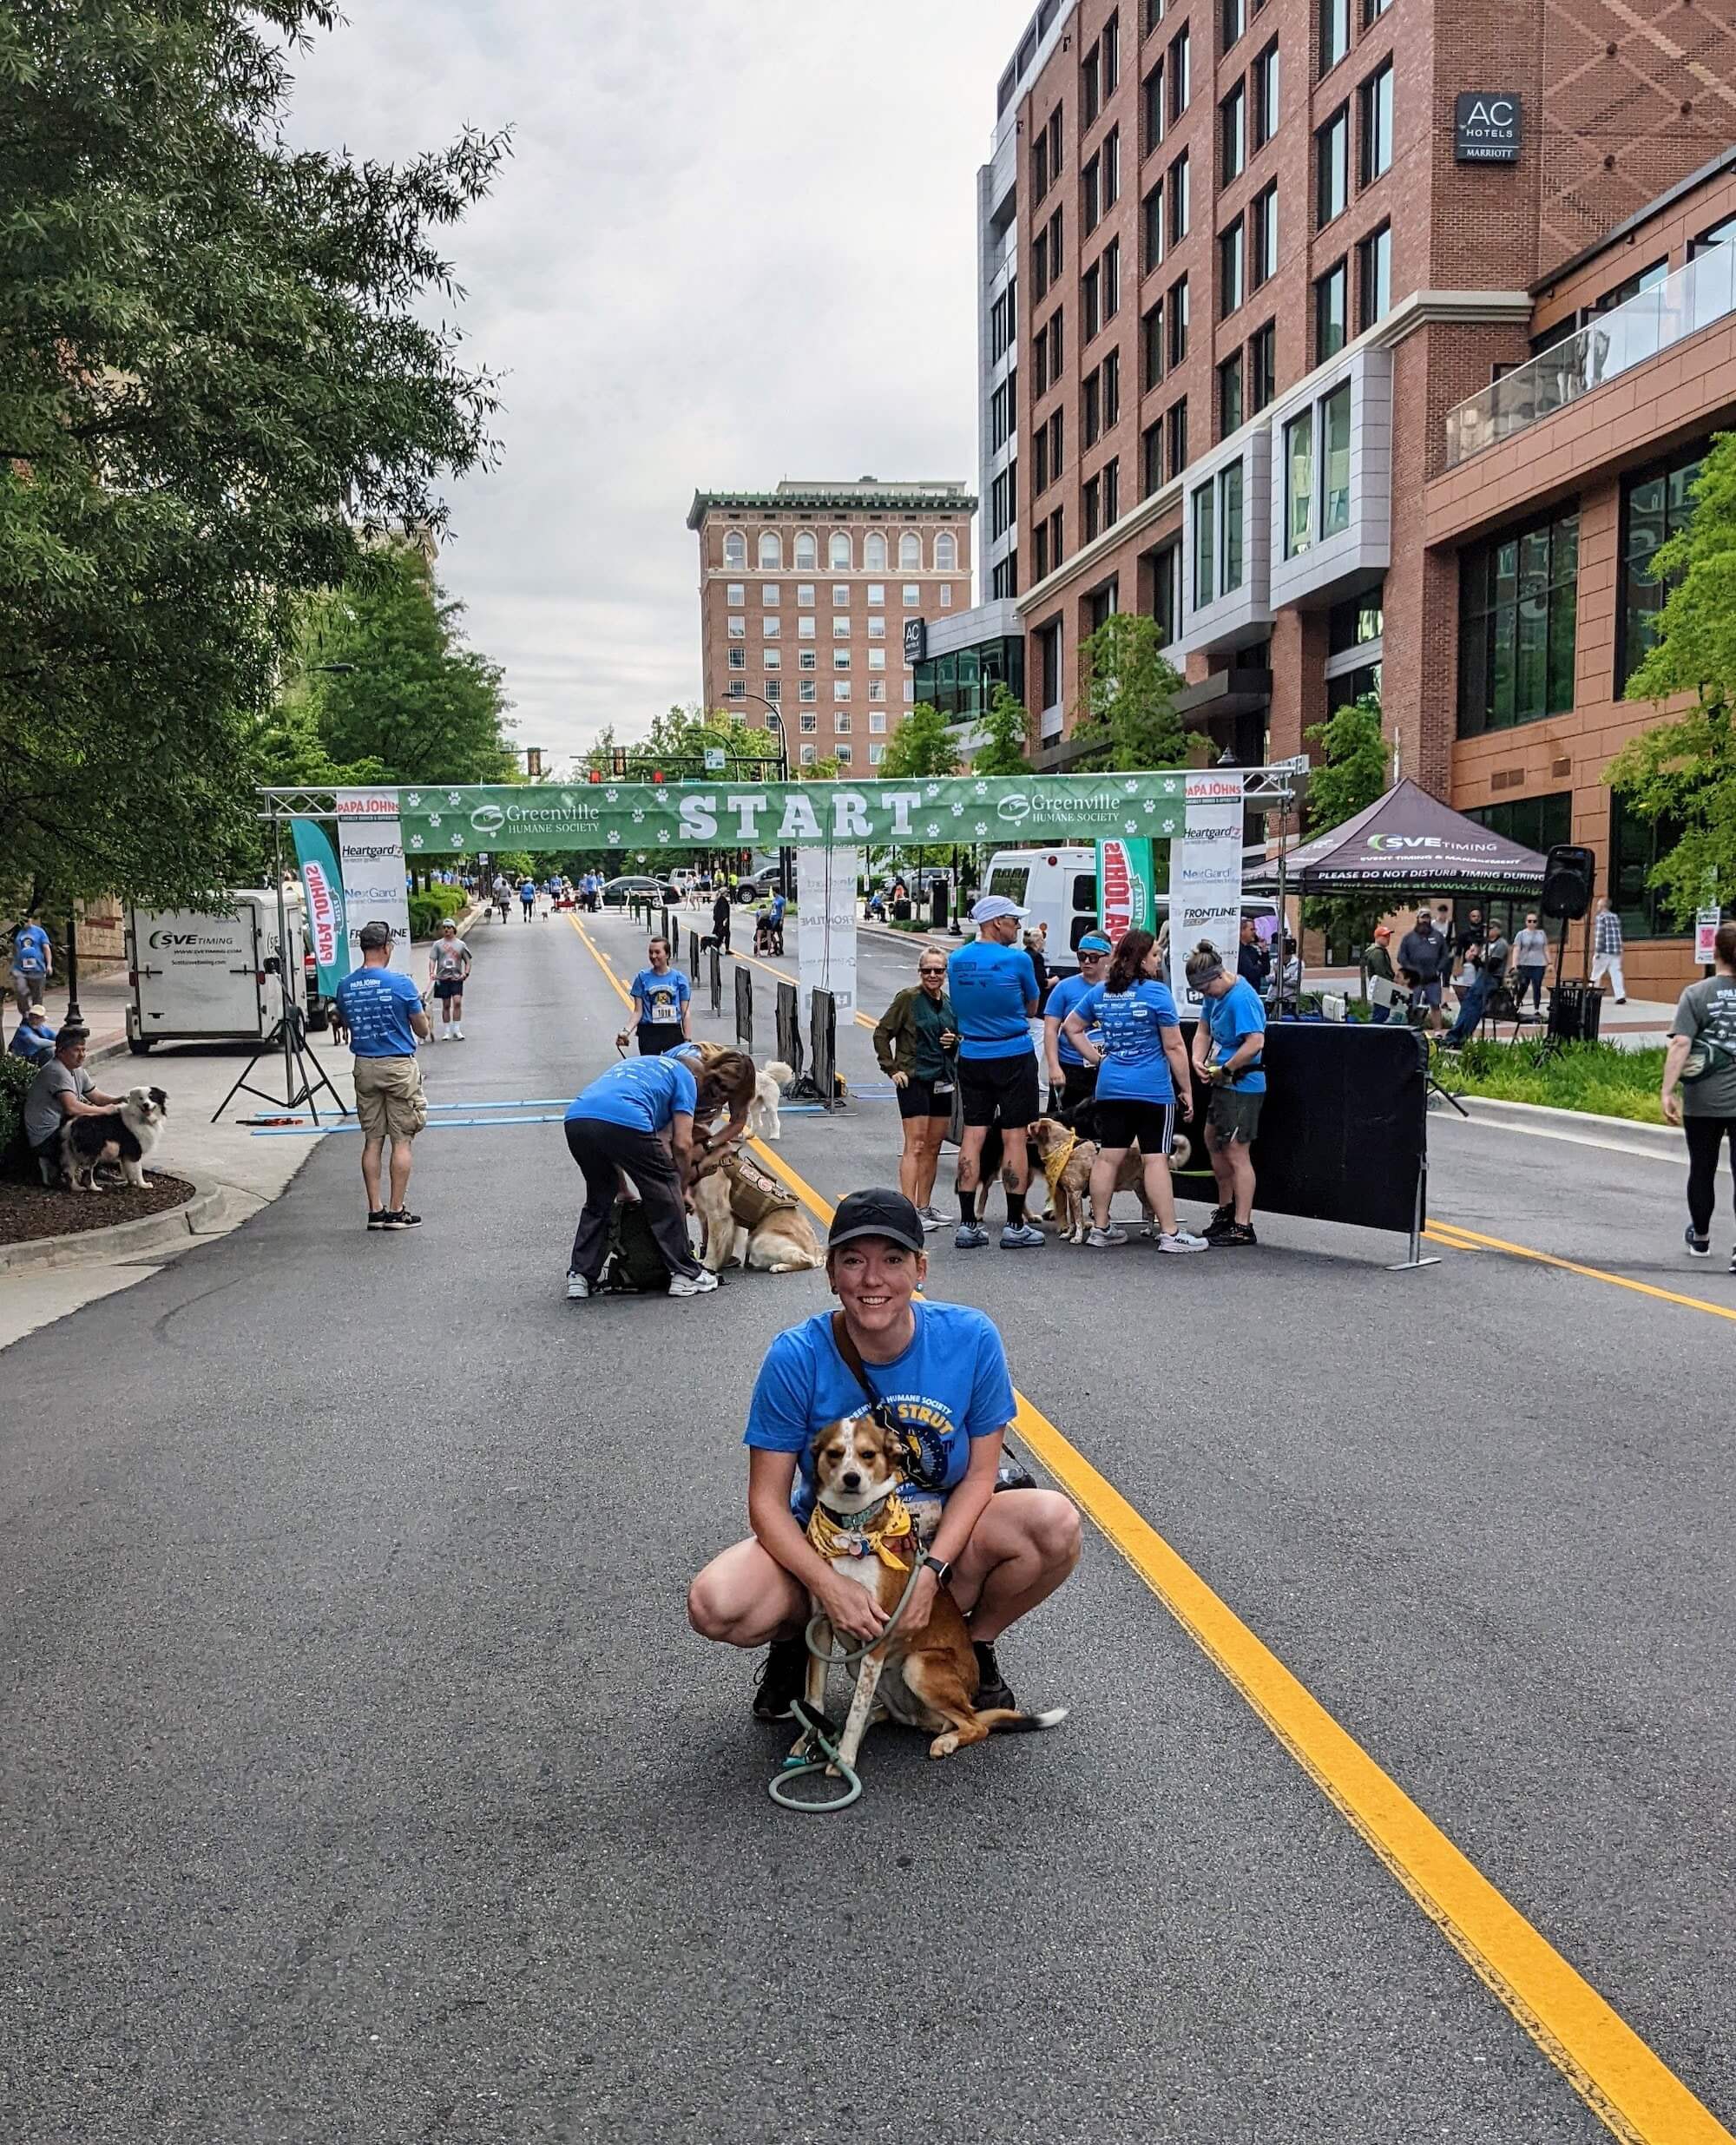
944 1746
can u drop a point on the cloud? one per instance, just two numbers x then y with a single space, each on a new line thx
734 243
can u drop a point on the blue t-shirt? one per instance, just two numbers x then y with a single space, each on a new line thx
1063 1000
375 1004
777 908
30 950
35 1045
952 1380
1233 1018
527 893
641 1093
1130 1024
661 997
990 985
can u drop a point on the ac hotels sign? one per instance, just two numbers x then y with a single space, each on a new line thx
1486 127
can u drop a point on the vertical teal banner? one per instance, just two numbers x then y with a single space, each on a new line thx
1127 898
322 885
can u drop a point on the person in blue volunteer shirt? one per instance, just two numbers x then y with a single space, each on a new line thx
381 1009
994 992
941 1370
33 1039
32 965
662 1004
1228 1046
527 897
1142 1068
1071 1083
636 1118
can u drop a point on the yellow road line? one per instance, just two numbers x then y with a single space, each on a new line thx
1462 1239
1633 2093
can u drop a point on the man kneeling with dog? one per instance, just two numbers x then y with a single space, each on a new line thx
934 1375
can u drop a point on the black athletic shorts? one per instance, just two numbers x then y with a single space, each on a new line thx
655 1036
1119 1123
924 1098
450 987
1001 1090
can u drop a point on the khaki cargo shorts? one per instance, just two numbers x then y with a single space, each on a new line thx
389 1103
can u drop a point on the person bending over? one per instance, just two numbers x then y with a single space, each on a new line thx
941 1370
1227 1047
914 1043
635 1119
993 988
1142 1069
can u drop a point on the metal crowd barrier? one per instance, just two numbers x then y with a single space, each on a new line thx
716 980
744 1009
823 1040
789 1028
694 957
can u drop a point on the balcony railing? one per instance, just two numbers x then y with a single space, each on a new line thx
1616 341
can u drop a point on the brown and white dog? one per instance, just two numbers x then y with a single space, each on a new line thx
924 1679
1067 1162
126 1135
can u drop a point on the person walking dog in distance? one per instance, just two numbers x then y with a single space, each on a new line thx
1607 948
1699 1085
449 964
914 1041
1227 1047
993 988
380 1009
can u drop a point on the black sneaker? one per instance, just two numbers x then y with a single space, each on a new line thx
1223 1218
402 1219
1235 1237
1697 1246
380 1218
991 1685
782 1679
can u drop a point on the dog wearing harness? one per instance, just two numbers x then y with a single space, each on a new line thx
750 1221
926 1679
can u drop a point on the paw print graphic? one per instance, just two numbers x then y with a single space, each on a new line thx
455 797
416 841
413 798
662 833
958 811
981 789
1130 788
1130 826
1149 806
458 841
611 796
933 827
932 789
614 838
638 813
433 818
981 826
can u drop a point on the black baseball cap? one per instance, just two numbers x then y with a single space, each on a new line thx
877 1213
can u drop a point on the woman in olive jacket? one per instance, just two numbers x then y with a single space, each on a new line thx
914 1042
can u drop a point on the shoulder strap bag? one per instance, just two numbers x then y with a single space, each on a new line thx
922 1456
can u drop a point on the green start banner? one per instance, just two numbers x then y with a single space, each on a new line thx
1022 811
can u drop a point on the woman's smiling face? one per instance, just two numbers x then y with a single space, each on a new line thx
875 1278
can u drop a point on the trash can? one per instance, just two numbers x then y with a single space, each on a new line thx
901 912
1576 1012
936 904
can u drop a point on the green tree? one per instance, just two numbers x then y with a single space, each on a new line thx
1128 708
1351 774
921 745
1681 774
220 370
391 681
1006 732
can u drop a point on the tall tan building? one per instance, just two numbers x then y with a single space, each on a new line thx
814 600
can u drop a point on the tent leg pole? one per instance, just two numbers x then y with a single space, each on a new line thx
1416 1258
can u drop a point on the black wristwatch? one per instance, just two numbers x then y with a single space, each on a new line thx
942 1571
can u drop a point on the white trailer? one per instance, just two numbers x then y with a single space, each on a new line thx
204 977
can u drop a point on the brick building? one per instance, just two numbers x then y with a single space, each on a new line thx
804 596
1363 343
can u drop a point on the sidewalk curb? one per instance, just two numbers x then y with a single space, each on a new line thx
175 1228
1541 1117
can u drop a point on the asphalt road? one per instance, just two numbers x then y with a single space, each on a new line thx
362 1780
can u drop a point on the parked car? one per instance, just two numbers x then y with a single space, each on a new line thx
757 886
638 886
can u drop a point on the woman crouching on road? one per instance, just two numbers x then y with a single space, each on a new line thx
1144 1068
637 1120
915 1041
999 1555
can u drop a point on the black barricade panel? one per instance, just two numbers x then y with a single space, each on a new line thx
1343 1129
823 1040
790 1029
744 1008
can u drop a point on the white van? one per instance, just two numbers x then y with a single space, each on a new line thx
1059 887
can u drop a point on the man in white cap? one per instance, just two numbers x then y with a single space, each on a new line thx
993 987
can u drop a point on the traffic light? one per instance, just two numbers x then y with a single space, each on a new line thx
656 775
620 761
596 775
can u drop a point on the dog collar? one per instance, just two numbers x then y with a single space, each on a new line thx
883 1530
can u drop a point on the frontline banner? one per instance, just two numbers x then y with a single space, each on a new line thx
642 818
1127 898
371 845
1206 875
322 885
825 924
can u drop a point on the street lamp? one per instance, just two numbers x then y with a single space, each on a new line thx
774 721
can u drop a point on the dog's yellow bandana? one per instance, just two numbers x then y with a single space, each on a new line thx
893 1530
1055 1162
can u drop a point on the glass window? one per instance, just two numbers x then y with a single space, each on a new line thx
771 595
804 596
1518 621
1232 268
737 629
1180 70
1298 484
1151 348
1335 455
840 690
1374 277
809 659
1233 134
737 593
1721 235
774 688
840 595
773 658
738 659
1151 229
1151 459
946 595
1205 549
1180 199
910 691
1230 396
1262 367
1177 422
874 552
804 628
876 755
877 726
877 595
1355 623
1176 306
1331 312
877 659
1263 255
1635 845
1230 528
734 549
912 596
771 628
1166 588
770 550
1333 167
840 658
738 687
910 550
807 689
838 551
1655 507
1372 12
807 552
876 688
846 754
877 629
1335 32
1266 90
1235 20
946 553
840 628
1094 507
1376 100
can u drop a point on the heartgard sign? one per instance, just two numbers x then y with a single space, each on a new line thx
1486 127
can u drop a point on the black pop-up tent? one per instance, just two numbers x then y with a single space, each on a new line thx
1406 840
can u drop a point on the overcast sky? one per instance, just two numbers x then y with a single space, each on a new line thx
734 243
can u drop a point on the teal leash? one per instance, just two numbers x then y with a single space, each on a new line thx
796 1766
